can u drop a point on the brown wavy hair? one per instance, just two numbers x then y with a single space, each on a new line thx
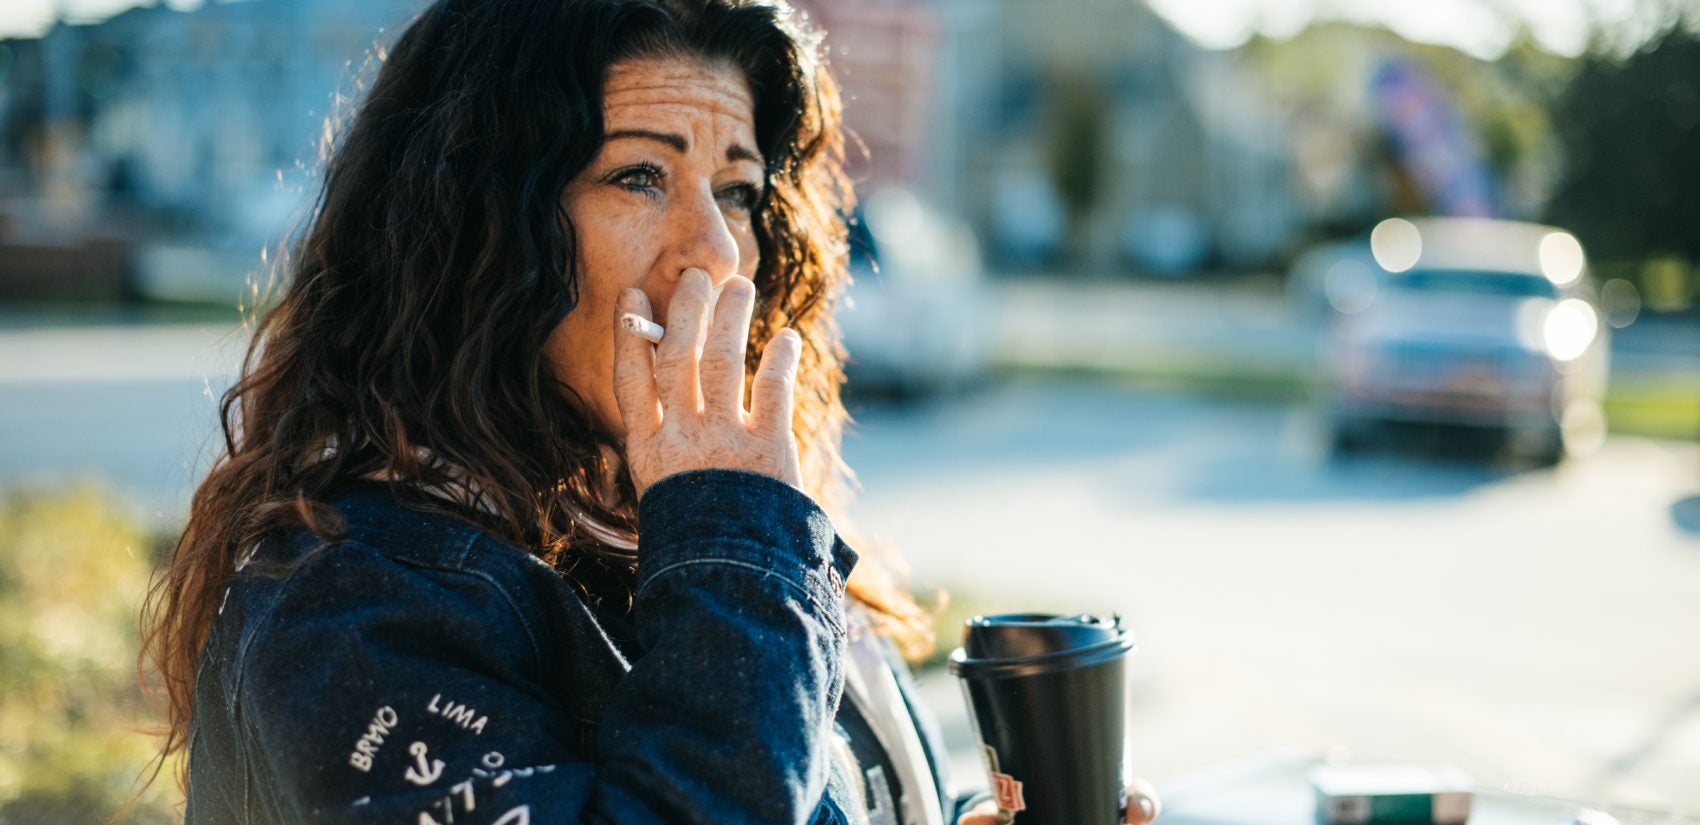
407 342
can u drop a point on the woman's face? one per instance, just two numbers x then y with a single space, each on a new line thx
675 186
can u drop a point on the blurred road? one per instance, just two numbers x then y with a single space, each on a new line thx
1536 628
130 406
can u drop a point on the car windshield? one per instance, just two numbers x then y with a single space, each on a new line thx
1476 282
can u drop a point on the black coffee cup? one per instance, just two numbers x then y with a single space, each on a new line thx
1047 695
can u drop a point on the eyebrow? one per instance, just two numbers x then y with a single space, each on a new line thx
736 151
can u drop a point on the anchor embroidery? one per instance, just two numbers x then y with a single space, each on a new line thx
425 772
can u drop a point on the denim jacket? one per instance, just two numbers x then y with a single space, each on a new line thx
422 671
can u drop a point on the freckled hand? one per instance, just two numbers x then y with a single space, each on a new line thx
681 390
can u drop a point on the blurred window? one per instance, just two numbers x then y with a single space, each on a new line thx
1019 97
1476 282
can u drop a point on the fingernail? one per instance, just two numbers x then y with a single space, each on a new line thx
1146 808
702 273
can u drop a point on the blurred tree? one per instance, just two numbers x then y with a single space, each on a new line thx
1078 164
73 726
1629 129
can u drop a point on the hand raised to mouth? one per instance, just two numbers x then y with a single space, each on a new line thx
682 399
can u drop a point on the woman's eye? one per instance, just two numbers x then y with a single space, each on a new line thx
639 178
744 196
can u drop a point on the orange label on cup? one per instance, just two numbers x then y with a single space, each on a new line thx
1008 792
1005 789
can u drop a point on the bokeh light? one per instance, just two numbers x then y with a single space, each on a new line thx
1561 258
1396 244
1350 286
1570 328
1621 302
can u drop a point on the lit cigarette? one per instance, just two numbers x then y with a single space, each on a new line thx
646 329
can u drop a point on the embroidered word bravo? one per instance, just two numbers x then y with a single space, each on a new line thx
382 723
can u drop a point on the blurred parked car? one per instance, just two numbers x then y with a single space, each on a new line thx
913 319
1471 322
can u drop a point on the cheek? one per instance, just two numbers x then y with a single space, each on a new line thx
574 345
613 252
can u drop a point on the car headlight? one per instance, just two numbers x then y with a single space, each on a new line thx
1569 329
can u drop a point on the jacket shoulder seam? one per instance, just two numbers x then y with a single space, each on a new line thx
263 626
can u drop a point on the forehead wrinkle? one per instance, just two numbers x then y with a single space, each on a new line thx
683 79
669 112
716 86
717 103
703 103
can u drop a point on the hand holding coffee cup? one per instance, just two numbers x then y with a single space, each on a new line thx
1047 698
1143 806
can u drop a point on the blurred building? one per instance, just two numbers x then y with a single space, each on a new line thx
195 114
1069 132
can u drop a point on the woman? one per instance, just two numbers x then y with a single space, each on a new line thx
415 588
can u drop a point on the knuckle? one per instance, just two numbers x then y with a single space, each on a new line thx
737 286
627 379
670 356
772 379
677 337
781 344
724 349
716 371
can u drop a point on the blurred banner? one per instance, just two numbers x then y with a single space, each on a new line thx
1435 146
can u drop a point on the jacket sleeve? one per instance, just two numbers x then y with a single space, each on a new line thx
379 691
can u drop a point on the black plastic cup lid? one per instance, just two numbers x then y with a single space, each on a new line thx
1018 645
1023 635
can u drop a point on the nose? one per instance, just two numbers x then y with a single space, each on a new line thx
698 235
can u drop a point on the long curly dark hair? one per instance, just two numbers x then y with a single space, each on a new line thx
407 343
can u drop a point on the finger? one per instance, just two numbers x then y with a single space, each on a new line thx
678 354
723 353
977 819
634 368
771 398
1143 804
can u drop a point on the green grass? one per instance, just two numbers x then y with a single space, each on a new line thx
1659 406
40 314
1668 408
73 570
